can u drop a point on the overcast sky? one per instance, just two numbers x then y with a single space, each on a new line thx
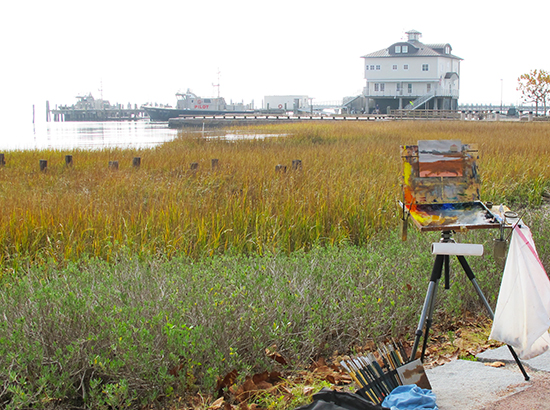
140 52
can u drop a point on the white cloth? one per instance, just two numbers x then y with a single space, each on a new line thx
522 315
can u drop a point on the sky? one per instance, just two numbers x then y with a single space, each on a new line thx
140 52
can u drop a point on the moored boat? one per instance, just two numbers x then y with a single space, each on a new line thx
189 103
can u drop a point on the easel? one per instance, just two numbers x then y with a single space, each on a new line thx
426 318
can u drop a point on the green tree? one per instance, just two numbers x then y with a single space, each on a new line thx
535 87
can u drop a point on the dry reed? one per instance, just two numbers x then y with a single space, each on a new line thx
345 191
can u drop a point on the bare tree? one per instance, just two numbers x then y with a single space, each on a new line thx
535 87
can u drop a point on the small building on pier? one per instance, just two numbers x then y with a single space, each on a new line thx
410 75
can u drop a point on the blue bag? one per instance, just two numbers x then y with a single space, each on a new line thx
410 397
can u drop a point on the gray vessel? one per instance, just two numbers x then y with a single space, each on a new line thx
189 103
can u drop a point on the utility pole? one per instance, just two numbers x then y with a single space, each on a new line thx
501 83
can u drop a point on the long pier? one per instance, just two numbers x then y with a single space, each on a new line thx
219 121
216 121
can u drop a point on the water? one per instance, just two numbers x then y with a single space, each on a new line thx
99 135
84 135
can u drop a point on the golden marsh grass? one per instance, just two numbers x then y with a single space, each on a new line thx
345 192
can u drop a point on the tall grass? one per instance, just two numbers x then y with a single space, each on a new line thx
344 193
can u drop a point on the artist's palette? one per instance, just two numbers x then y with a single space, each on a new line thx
453 216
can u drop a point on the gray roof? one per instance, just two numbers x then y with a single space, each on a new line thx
450 74
424 50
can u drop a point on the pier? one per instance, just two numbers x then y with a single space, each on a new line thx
89 109
218 121
72 114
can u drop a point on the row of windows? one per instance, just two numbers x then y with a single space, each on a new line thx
405 49
425 67
382 87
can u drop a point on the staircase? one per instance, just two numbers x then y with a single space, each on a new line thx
419 101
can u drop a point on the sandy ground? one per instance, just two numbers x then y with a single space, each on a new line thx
535 397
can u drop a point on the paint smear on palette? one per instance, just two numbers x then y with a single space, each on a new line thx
452 215
440 158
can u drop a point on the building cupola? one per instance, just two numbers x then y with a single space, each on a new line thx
413 35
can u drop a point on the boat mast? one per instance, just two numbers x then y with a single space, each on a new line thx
218 85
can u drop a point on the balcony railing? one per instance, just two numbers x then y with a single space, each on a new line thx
427 114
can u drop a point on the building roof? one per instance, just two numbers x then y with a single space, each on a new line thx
417 48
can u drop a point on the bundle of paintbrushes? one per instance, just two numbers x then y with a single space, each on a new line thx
376 378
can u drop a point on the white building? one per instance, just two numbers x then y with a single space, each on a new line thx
410 75
286 102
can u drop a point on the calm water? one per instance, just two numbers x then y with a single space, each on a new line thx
98 135
84 135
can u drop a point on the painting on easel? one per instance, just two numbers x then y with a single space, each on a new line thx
441 186
440 159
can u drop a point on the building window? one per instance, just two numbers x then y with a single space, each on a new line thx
367 67
398 87
410 88
405 49
397 49
394 67
382 87
376 88
429 88
447 50
405 67
425 67
372 67
378 67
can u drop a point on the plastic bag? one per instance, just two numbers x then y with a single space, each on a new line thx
522 315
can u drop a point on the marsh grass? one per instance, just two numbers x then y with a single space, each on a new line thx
345 191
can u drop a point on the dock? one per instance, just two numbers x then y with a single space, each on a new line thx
220 121
89 109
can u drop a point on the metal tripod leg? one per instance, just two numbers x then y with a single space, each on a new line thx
428 303
429 321
472 278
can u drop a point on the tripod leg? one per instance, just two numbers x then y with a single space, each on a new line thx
429 322
472 278
430 294
447 270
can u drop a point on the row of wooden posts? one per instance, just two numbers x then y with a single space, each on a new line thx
136 163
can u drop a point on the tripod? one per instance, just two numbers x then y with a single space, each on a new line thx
426 318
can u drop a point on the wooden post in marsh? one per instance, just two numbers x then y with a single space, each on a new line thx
68 160
2 160
194 166
214 163
113 165
296 164
43 165
280 168
136 162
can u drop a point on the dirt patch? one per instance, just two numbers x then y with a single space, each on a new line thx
535 396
